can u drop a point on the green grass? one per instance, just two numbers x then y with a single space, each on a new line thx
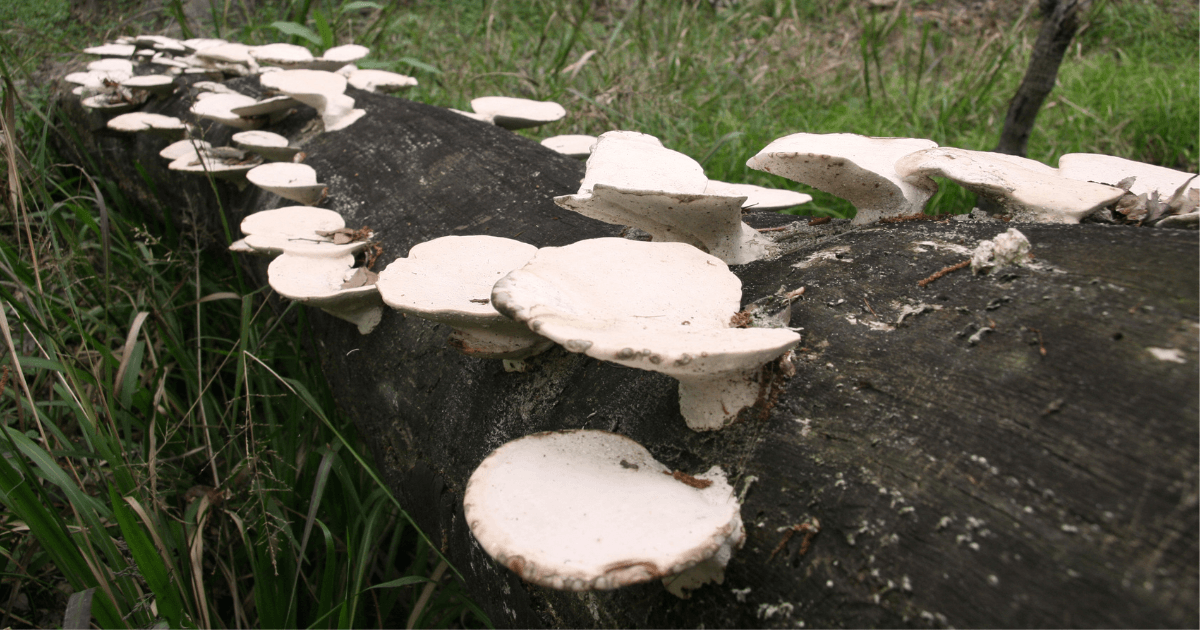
150 453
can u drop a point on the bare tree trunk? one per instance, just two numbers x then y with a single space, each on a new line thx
1062 20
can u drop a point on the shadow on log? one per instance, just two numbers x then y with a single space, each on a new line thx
1017 449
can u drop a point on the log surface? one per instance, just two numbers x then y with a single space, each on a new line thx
995 450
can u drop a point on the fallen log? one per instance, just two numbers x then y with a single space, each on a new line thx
1013 449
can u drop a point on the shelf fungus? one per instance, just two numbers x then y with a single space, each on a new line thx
330 283
516 113
295 182
449 280
1110 170
665 307
578 146
587 510
758 197
219 107
859 169
301 230
371 80
631 179
323 91
168 127
1026 189
271 146
225 163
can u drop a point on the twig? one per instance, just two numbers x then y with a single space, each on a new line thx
426 594
942 272
774 229
869 306
809 528
1041 342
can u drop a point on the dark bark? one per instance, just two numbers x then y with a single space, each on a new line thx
955 482
1061 22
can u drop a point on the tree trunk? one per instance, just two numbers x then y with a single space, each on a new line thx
1016 449
1061 22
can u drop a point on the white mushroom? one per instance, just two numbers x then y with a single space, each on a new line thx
757 197
156 84
161 43
271 146
321 281
631 179
112 102
517 113
578 146
664 307
112 50
323 91
859 169
219 107
379 80
473 115
266 106
168 127
284 55
1107 169
301 230
111 65
1030 194
186 147
222 162
297 182
591 510
197 44
449 280
338 57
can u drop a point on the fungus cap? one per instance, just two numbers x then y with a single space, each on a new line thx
379 80
295 229
758 197
517 113
297 182
860 169
1107 169
112 50
449 280
578 146
219 107
1036 194
271 146
318 281
111 65
266 106
285 55
631 179
674 319
133 122
157 84
323 91
211 161
591 510
186 147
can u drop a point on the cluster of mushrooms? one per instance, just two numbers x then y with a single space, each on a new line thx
507 300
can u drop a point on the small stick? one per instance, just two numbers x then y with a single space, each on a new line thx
944 271
1041 343
869 306
774 229
809 528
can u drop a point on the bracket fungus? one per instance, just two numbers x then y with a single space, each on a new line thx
323 91
222 162
156 84
1029 190
297 182
301 230
517 113
758 197
859 169
631 179
321 281
271 146
187 147
370 80
1111 170
590 510
283 55
578 146
674 319
449 280
338 57
168 127
219 107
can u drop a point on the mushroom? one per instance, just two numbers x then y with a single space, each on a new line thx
168 127
297 182
321 281
271 146
161 43
301 230
517 113
860 169
449 280
111 65
757 197
379 80
664 307
231 58
1035 194
578 146
95 81
323 91
186 147
590 510
156 84
284 55
199 43
339 56
631 179
219 107
1107 169
112 50
222 162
